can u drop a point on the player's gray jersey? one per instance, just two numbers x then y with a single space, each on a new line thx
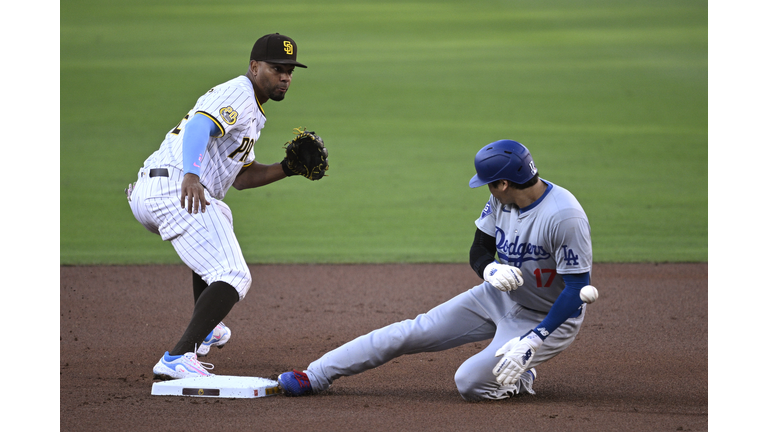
547 239
239 117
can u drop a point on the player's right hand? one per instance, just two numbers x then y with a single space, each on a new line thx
194 192
517 355
503 277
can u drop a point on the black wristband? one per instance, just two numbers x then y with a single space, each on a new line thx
286 170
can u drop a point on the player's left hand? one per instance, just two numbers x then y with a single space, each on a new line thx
503 277
518 354
305 155
194 192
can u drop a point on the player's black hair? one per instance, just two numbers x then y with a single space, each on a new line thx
526 185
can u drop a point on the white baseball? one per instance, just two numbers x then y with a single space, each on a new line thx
588 294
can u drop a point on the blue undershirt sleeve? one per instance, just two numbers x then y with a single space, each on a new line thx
197 131
568 304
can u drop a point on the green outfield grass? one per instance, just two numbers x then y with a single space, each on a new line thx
610 97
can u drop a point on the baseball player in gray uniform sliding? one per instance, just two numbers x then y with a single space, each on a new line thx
179 192
533 250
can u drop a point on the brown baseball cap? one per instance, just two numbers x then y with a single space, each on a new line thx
275 48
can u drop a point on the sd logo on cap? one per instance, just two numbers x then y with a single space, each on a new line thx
276 48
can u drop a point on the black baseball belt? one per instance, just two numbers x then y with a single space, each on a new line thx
158 172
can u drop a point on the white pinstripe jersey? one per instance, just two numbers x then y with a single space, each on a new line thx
239 117
545 240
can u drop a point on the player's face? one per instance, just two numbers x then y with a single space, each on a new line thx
272 81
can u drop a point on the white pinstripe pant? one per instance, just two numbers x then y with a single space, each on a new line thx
206 242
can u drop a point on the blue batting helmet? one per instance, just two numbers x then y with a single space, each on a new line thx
503 160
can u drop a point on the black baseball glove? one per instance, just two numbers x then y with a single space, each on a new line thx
305 155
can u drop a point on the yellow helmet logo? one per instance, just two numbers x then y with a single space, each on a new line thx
288 47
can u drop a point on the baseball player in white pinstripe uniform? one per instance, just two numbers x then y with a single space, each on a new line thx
180 188
533 250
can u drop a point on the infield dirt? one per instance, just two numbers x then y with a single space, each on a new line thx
639 363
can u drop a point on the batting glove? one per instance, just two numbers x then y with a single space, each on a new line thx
503 277
518 354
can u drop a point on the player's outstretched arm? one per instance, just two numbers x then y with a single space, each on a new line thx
256 175
567 304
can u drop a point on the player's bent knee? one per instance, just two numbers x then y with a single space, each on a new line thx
467 386
240 281
245 286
